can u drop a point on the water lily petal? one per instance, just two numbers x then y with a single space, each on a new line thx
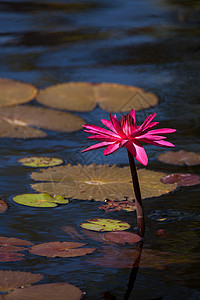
138 152
97 130
132 114
117 126
162 130
108 124
151 137
147 121
97 146
102 137
112 148
158 143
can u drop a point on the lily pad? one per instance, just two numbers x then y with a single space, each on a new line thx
74 96
117 206
18 129
98 182
14 92
122 98
40 161
14 241
180 158
182 179
50 291
42 117
171 215
3 206
61 249
122 237
83 96
6 256
10 280
39 200
71 232
105 225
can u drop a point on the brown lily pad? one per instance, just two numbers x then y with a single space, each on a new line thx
123 258
10 280
117 206
83 96
3 206
17 129
122 237
14 241
182 179
42 117
6 256
40 161
14 92
98 182
51 291
180 158
61 249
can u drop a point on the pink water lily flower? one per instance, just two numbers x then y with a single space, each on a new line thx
126 134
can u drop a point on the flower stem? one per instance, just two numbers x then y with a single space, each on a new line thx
138 198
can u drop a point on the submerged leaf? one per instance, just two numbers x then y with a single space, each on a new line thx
40 161
14 92
3 206
180 158
105 225
39 200
83 96
98 182
10 280
60 249
183 179
122 237
50 291
42 117
172 215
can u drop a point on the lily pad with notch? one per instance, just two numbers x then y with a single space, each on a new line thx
40 200
104 225
40 161
98 182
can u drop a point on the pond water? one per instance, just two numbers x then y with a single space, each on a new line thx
150 44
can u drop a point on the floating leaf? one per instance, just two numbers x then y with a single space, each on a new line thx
60 249
14 241
180 158
10 256
71 232
98 182
14 92
171 215
3 206
182 179
105 225
17 129
40 161
117 206
51 291
121 98
123 258
83 96
42 117
74 96
10 280
39 200
122 237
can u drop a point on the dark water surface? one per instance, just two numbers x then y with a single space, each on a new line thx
150 44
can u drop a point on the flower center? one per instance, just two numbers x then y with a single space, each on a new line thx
127 124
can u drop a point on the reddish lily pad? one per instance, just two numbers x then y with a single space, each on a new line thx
39 200
15 92
3 206
117 206
42 117
182 179
84 96
180 158
40 161
10 256
61 249
105 225
14 241
122 237
98 182
10 280
51 291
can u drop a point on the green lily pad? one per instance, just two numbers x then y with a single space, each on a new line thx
105 225
180 158
3 206
14 92
39 200
98 182
60 249
84 96
40 161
